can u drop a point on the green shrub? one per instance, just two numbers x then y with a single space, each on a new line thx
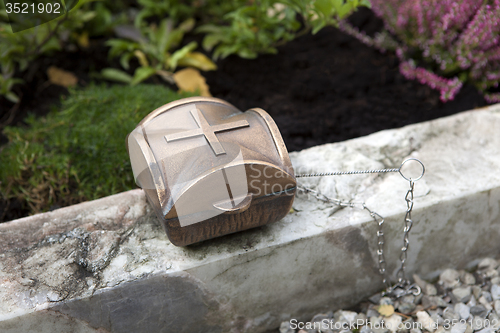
77 153
18 50
157 50
260 26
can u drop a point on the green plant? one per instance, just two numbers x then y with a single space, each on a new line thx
260 26
152 45
18 50
78 152
174 9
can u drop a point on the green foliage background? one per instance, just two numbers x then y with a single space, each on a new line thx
78 152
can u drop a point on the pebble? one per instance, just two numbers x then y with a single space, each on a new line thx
419 281
472 302
495 280
458 328
495 292
365 329
455 297
392 323
375 299
491 273
348 317
418 299
406 308
407 299
494 320
377 325
430 290
450 278
479 323
476 290
450 315
285 327
487 296
478 310
431 301
386 301
487 264
486 330
437 318
462 294
468 278
497 306
426 321
462 310
361 317
485 302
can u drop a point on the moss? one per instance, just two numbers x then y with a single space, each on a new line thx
78 151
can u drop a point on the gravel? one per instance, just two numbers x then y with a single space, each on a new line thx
459 302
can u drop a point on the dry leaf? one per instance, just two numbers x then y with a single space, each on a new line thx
190 79
61 77
198 60
143 60
83 39
386 310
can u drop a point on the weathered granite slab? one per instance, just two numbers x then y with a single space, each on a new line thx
107 266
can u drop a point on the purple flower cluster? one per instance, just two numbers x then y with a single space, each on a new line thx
447 87
460 39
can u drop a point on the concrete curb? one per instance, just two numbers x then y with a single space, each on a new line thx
107 266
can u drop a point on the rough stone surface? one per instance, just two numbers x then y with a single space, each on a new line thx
497 306
495 291
426 321
450 278
468 278
462 310
488 264
393 322
107 265
427 317
462 294
479 311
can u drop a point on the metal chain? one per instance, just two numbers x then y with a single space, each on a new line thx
376 217
403 286
406 240
382 267
340 173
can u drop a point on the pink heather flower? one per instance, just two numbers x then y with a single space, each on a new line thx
492 98
452 35
447 87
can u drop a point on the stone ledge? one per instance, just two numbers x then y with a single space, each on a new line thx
107 266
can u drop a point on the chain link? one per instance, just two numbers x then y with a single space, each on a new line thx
340 173
403 286
382 266
406 240
376 217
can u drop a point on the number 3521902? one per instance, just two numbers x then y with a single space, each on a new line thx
31 8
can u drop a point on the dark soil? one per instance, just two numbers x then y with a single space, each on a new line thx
323 88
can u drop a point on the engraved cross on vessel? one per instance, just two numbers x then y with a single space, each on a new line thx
207 130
